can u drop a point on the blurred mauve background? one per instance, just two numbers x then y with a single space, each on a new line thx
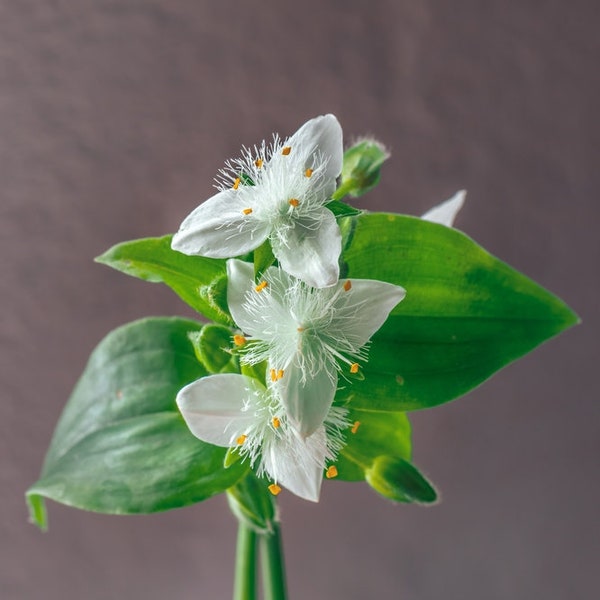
114 118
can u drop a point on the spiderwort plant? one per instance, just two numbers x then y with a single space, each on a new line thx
327 325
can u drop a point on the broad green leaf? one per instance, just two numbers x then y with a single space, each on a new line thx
200 282
466 314
120 445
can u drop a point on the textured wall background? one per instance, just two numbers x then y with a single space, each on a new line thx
115 116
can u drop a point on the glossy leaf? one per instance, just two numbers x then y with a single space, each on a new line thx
199 281
121 446
466 314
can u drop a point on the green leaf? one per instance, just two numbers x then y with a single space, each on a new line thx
199 281
121 446
466 314
400 481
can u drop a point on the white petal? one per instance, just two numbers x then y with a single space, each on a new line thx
307 399
212 407
298 464
322 133
365 308
446 212
218 228
311 250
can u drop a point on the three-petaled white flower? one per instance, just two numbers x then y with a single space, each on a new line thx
236 411
276 192
304 333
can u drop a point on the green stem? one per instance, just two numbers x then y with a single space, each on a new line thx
273 571
245 564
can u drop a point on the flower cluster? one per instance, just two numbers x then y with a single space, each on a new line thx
308 326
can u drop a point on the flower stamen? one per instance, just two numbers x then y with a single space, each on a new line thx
247 211
259 163
331 472
236 183
274 489
294 202
355 427
286 150
347 286
261 286
241 439
239 340
308 173
354 368
276 422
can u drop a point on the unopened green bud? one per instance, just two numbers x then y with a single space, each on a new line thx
362 167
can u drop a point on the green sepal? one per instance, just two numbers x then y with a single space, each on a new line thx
466 314
341 209
199 281
361 168
213 348
400 481
252 503
121 446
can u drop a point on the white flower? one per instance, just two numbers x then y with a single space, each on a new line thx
304 333
276 193
446 212
236 411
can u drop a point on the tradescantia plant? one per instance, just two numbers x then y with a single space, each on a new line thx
326 324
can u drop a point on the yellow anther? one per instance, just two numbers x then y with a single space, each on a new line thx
355 427
259 163
274 489
247 211
347 285
241 439
294 202
280 374
236 184
276 422
331 472
273 374
308 172
239 340
300 329
285 151
261 286
354 368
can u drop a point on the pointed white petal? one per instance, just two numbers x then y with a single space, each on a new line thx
212 407
311 250
446 212
324 134
298 464
307 399
218 228
363 309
